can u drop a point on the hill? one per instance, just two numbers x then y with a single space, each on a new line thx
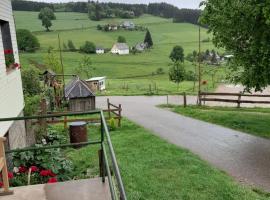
131 74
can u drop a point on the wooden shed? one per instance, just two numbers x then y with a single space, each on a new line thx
79 96
97 83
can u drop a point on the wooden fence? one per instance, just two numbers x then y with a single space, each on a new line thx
221 97
113 112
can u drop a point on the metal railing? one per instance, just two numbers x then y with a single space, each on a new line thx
117 189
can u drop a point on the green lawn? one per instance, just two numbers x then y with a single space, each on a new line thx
153 169
133 70
254 121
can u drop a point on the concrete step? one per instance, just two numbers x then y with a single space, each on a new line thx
89 189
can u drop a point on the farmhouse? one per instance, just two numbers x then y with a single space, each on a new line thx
128 25
100 50
80 96
120 49
97 83
141 46
11 98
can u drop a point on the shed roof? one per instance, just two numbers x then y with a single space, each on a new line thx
97 78
78 88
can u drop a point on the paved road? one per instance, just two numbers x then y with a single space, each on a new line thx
245 157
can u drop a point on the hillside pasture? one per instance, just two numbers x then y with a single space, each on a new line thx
130 74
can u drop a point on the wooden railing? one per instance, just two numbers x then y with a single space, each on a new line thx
220 97
3 169
116 110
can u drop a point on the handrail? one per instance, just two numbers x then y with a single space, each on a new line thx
114 162
104 133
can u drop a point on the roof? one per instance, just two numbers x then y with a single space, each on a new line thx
140 46
121 46
97 78
49 72
128 23
100 48
78 88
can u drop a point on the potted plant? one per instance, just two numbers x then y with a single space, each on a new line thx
10 61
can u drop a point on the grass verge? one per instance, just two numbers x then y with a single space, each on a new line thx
153 169
254 121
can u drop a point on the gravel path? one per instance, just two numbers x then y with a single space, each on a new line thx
243 156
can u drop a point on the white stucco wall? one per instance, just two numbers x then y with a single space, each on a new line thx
11 94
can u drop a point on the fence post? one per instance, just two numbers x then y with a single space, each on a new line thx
199 98
109 108
239 101
120 115
43 107
185 99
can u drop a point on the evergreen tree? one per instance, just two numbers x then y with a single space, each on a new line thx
148 39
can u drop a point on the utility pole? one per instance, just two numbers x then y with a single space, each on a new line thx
61 60
200 68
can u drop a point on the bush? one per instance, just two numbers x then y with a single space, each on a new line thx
71 46
121 39
88 47
112 124
160 71
27 41
31 82
32 104
191 76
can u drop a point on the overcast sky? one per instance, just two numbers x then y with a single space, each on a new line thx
179 3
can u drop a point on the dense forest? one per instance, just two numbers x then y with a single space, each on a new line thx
98 11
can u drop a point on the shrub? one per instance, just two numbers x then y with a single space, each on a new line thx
31 82
121 39
112 124
191 76
88 47
32 104
160 71
71 46
27 41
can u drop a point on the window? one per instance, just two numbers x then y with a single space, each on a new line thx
7 45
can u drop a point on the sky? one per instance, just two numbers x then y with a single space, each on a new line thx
178 3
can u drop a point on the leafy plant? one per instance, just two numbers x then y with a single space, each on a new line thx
112 124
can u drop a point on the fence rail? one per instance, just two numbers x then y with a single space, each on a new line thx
117 190
220 97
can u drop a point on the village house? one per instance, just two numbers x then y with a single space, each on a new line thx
79 96
112 27
141 46
128 25
120 49
97 83
100 50
11 98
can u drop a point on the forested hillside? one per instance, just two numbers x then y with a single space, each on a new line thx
98 11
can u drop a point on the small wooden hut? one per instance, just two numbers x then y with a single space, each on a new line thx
79 96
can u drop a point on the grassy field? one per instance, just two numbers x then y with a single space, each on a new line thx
132 70
153 169
254 121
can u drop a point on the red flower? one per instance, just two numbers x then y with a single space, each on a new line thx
51 173
8 51
52 180
10 175
22 169
17 65
1 184
34 168
44 173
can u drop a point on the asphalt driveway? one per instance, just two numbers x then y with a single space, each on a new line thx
243 156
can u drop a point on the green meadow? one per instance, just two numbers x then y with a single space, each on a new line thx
127 75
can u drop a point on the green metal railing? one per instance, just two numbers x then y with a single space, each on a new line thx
116 187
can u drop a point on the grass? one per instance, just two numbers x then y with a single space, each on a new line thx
153 169
134 70
254 121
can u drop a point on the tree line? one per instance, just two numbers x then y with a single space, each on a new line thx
98 11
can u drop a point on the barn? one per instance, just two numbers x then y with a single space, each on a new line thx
79 95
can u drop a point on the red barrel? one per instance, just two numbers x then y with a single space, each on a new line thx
78 132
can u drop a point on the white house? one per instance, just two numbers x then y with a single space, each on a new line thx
128 25
97 83
120 49
11 98
100 50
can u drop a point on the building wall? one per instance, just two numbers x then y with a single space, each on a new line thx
11 98
82 104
